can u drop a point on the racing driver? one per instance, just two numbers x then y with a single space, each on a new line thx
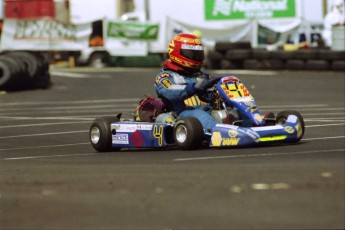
181 80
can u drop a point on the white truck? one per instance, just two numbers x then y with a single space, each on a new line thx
213 20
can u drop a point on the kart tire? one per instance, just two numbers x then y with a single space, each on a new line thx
5 74
253 64
261 54
238 54
226 64
282 55
188 133
338 65
307 54
223 47
274 64
295 64
317 65
100 134
283 116
215 55
332 55
30 61
99 60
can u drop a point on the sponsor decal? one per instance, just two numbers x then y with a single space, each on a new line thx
166 83
188 40
192 47
193 101
244 9
230 141
130 128
144 127
120 139
289 129
132 30
233 133
162 76
266 128
229 79
137 139
44 29
43 34
249 103
182 62
258 117
217 140
227 126
292 119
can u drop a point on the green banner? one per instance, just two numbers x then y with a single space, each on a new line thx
133 30
245 9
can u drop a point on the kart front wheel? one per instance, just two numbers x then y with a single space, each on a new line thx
283 116
188 133
100 133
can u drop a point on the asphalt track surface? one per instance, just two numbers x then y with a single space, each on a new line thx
52 178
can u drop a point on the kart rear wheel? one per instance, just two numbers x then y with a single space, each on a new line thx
283 116
100 133
188 133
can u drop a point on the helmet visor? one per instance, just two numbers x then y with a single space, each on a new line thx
193 52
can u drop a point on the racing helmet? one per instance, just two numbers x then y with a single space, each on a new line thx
187 51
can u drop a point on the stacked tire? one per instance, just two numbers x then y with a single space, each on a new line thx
23 70
227 55
241 55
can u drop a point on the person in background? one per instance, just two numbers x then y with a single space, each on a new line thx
336 16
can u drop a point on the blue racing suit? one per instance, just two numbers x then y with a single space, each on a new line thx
175 89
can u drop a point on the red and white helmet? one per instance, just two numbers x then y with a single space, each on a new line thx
187 51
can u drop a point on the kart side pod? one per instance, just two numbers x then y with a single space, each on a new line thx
291 130
110 134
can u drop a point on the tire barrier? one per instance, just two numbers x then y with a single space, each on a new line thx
21 70
241 55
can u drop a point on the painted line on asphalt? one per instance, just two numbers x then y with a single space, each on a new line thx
257 155
52 156
318 114
45 146
329 120
47 118
322 138
68 108
325 125
77 75
294 106
254 72
71 102
43 124
45 134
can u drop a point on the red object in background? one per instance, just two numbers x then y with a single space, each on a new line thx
29 9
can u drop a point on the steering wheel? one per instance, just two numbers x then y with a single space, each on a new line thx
209 96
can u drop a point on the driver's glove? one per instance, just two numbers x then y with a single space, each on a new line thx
202 84
214 80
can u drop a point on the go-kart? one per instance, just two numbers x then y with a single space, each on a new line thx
239 123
